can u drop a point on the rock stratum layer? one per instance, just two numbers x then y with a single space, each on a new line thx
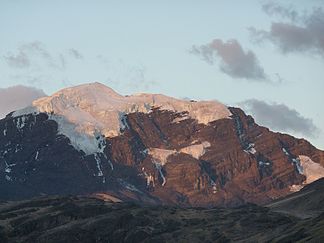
172 152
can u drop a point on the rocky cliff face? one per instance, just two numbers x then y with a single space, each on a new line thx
160 156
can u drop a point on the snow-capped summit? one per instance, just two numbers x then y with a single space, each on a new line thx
85 111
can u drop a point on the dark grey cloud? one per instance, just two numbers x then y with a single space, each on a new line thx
232 59
301 33
17 97
280 117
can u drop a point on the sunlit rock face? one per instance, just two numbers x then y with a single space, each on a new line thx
150 148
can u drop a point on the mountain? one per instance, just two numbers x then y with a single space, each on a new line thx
148 148
88 219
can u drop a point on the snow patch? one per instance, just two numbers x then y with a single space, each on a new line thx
180 119
149 178
250 149
17 148
295 161
298 165
25 111
295 188
36 156
312 171
196 150
20 122
214 186
98 161
85 141
285 151
128 186
122 121
158 166
262 163
161 155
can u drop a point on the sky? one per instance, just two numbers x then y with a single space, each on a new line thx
266 57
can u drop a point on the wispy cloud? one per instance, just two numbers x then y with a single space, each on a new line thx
35 55
301 33
280 117
75 53
274 9
23 58
124 75
232 59
17 97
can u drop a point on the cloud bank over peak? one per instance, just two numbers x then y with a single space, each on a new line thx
232 59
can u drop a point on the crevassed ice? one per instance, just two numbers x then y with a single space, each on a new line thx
85 110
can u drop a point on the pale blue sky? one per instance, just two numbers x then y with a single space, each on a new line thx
144 46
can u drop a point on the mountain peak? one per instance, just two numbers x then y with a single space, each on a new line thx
95 89
88 109
152 147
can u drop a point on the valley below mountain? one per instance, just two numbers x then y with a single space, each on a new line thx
297 218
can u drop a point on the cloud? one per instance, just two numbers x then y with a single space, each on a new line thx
26 53
35 55
17 97
20 60
75 53
280 117
303 33
274 9
234 61
126 76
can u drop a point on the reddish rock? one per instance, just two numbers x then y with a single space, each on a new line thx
244 163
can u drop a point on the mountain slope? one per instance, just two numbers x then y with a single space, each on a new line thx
84 219
148 148
306 203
